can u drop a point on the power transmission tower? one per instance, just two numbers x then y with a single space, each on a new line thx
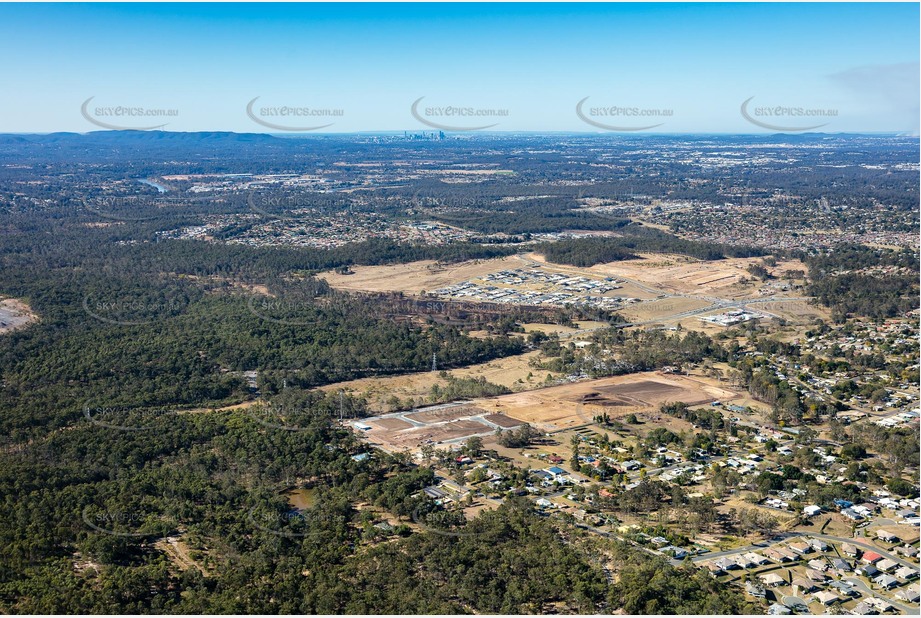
434 362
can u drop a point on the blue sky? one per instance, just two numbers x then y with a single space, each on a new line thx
693 64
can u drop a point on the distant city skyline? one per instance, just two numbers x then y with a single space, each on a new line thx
346 68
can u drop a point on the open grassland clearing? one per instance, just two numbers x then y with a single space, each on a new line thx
513 372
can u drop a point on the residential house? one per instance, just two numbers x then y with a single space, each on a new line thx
886 581
885 535
867 570
849 550
776 609
851 514
910 594
825 597
714 569
881 605
812 510
907 551
801 585
818 564
907 572
785 554
843 588
816 576
676 552
744 562
887 565
818 544
726 563
864 609
802 548
756 558
772 579
870 557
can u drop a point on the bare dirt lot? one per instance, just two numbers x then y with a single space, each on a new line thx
570 405
444 414
391 424
663 309
502 420
15 314
685 275
550 409
437 433
416 277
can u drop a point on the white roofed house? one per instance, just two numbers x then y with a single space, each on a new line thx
907 572
818 544
744 561
776 609
906 550
812 510
909 594
818 564
756 558
726 563
816 576
886 564
772 579
826 597
801 585
886 581
849 550
887 536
